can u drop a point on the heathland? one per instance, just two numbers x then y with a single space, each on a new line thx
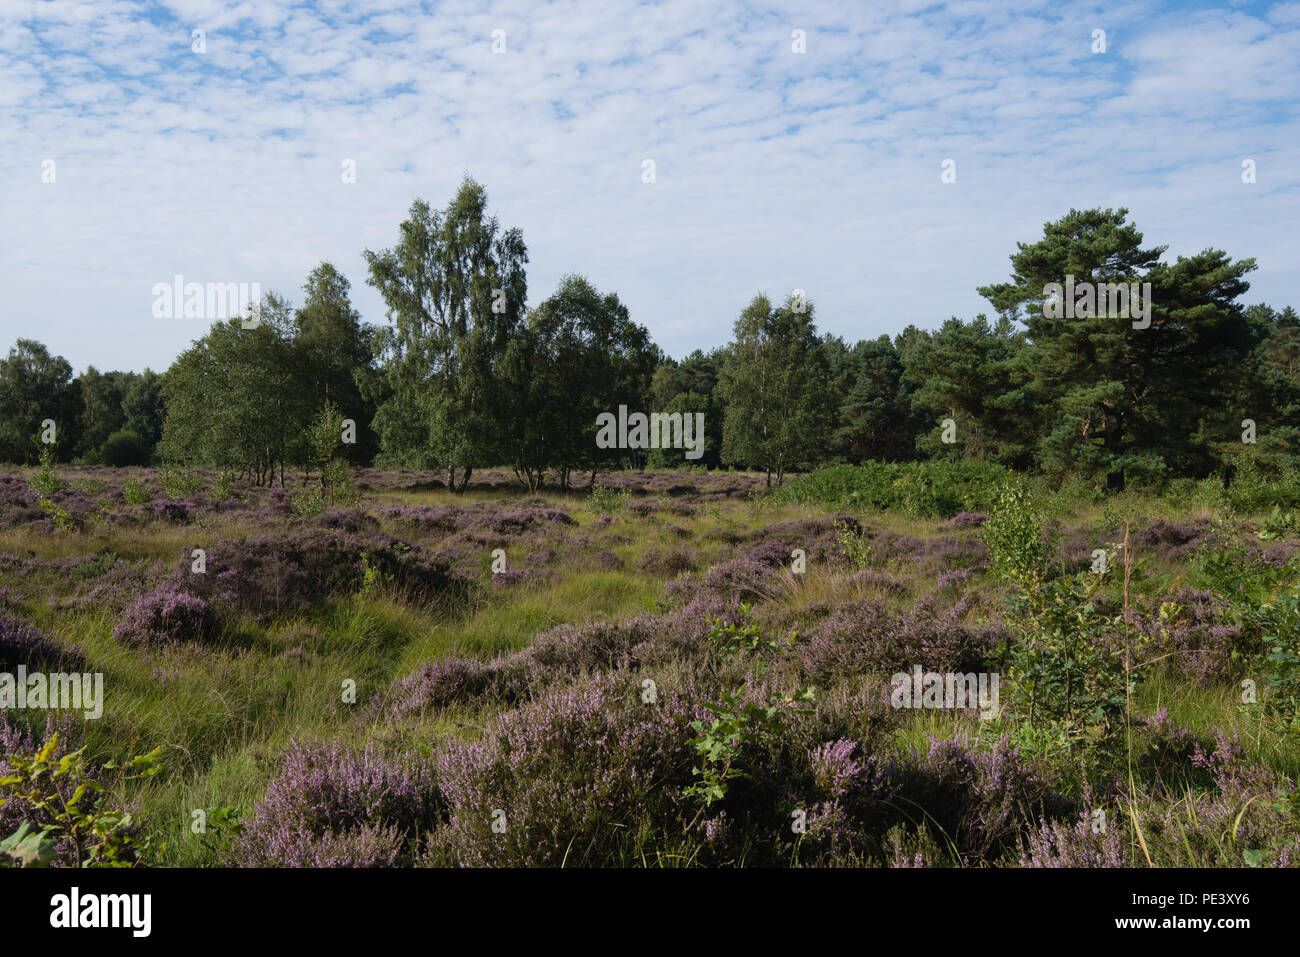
672 668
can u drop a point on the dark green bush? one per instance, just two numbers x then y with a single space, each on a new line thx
125 448
931 489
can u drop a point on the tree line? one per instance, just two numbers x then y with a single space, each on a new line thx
465 375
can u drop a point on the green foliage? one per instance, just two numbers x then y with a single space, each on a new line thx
70 803
745 635
1267 606
135 492
222 824
578 355
102 416
855 545
1282 846
1067 679
606 499
45 480
974 374
1120 404
223 486
875 416
373 578
178 482
933 488
1014 537
446 399
124 448
333 483
62 519
333 353
23 848
35 386
775 382
239 397
1279 523
735 725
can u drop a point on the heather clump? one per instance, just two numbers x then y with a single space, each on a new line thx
23 644
1190 634
164 615
964 520
668 563
1225 810
559 655
864 637
588 773
274 574
333 806
749 576
820 538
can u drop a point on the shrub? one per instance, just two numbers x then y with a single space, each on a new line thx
60 794
166 614
585 774
134 492
124 448
606 500
179 483
45 481
22 644
932 488
331 806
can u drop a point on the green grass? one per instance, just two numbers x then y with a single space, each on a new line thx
223 716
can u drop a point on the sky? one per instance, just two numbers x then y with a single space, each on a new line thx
222 156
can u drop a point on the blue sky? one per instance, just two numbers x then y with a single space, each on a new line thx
774 170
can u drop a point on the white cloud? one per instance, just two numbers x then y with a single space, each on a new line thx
775 169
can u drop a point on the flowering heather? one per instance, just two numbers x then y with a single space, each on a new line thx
981 799
605 560
168 510
1232 811
558 655
275 573
1198 641
818 537
347 520
965 520
1170 540
329 806
863 637
746 577
1081 844
579 772
667 564
834 767
513 577
24 644
164 615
